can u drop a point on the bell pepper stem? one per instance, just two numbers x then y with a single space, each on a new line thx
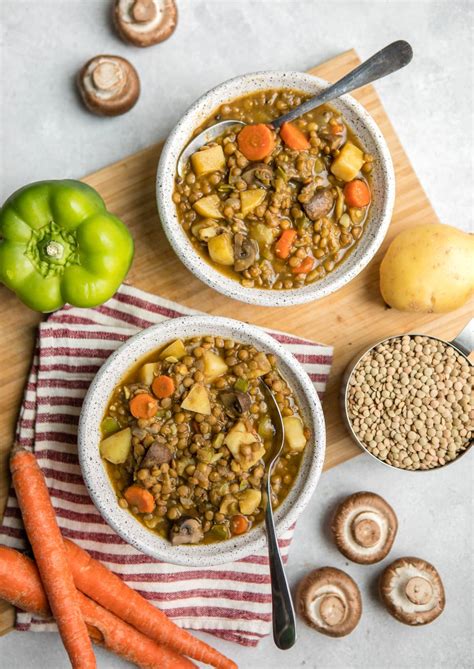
54 250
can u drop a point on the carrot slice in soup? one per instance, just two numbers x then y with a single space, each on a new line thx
357 193
285 242
305 266
256 142
239 524
141 498
143 405
293 137
163 386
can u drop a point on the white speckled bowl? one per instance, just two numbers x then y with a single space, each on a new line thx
383 181
96 477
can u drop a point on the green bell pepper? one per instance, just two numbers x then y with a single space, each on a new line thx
58 244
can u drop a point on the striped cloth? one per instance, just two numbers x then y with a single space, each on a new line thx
231 601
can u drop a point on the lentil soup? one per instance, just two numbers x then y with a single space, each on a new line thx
185 437
276 209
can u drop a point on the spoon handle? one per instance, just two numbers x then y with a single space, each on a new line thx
283 613
390 59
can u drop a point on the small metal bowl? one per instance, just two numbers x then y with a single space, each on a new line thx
463 344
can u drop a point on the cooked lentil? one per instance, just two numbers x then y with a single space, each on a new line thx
410 402
234 210
201 454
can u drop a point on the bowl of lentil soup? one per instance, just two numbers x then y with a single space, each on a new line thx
407 400
174 433
291 227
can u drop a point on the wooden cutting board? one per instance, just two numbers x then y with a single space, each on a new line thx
349 320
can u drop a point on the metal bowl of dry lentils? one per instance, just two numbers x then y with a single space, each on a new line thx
407 401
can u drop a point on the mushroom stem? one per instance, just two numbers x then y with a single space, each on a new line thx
54 250
418 590
107 76
332 610
366 531
143 11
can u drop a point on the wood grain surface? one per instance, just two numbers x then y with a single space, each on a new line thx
351 319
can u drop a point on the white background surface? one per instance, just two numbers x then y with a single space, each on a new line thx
46 133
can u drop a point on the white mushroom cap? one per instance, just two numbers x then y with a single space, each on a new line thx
364 527
145 22
109 85
412 591
329 600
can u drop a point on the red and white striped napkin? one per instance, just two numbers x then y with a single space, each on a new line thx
231 601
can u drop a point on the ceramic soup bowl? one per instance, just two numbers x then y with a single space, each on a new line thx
95 475
383 189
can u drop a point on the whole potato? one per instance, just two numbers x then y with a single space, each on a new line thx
428 268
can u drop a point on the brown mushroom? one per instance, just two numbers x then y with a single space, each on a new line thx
145 22
186 530
245 252
109 85
364 527
412 591
235 402
156 455
329 600
320 204
258 173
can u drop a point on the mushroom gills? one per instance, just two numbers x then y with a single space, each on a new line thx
104 78
108 76
365 531
260 174
186 530
330 601
235 402
246 252
403 584
143 15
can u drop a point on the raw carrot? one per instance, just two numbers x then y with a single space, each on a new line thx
163 386
46 540
256 142
285 242
141 498
293 137
96 581
239 524
143 406
20 584
357 193
306 265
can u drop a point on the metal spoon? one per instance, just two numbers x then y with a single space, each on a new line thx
283 613
390 59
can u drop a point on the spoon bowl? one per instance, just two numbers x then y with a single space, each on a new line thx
204 137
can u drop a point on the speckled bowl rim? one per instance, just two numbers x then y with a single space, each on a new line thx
96 477
383 185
